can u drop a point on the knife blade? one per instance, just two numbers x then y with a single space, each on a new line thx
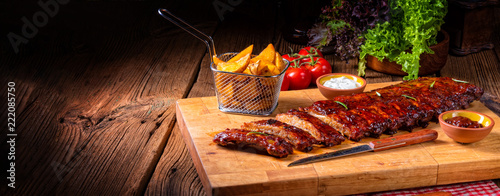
376 145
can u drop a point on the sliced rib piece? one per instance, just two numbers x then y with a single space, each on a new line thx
274 145
347 122
300 139
325 134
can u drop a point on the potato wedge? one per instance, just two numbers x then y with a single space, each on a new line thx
236 67
257 67
243 53
266 72
280 64
264 66
250 89
267 54
273 69
247 70
217 61
252 68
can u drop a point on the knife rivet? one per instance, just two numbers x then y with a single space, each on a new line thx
378 142
393 139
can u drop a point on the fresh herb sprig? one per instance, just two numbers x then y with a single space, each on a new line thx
409 97
462 81
258 133
342 104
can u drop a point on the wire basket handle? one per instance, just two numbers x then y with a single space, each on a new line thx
191 30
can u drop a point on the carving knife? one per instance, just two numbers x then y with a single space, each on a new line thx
376 145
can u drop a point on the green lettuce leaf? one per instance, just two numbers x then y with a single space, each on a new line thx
412 29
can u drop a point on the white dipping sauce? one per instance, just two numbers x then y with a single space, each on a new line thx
341 83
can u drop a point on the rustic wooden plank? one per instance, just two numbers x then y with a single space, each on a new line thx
482 68
96 121
175 173
494 101
467 162
414 166
232 35
478 68
496 32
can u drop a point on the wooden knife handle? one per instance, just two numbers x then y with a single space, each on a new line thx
404 140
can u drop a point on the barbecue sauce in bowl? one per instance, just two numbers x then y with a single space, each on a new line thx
461 121
465 126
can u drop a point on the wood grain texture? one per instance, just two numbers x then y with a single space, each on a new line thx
243 171
96 120
96 89
256 31
496 43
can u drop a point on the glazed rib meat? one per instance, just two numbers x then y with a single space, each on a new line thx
274 145
323 133
402 106
300 139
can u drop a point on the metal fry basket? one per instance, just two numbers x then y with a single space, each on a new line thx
246 94
236 92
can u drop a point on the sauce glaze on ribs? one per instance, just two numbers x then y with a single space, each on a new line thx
403 106
275 146
325 134
300 139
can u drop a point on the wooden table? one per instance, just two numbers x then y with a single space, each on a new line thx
96 88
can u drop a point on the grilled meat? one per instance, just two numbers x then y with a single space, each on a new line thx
274 145
325 134
403 106
300 139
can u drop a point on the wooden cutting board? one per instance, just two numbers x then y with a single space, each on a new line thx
226 171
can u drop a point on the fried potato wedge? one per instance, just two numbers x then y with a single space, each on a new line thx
267 54
242 54
273 69
236 67
217 61
252 68
280 64
267 63
257 67
252 90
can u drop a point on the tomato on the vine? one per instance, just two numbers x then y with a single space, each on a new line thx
310 50
299 77
285 84
317 66
293 60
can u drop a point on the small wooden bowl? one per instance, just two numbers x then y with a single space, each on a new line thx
466 135
330 93
429 63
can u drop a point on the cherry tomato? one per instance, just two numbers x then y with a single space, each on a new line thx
285 84
311 50
318 67
299 77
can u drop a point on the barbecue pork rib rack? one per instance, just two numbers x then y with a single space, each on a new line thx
403 106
